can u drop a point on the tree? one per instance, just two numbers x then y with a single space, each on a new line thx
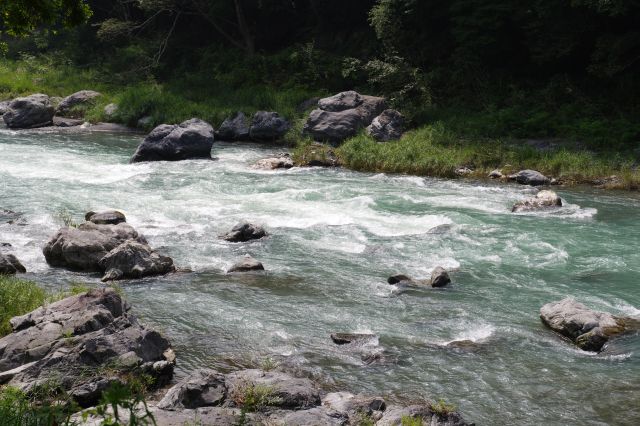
21 17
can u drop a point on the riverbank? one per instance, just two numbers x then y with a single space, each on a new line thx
449 144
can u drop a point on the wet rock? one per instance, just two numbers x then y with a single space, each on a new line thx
399 278
342 116
588 329
285 391
387 126
110 111
530 177
496 174
439 277
234 128
81 342
394 414
9 216
132 259
29 112
10 265
82 248
268 126
465 345
190 139
243 232
281 161
202 388
246 264
543 200
348 338
81 98
463 171
109 217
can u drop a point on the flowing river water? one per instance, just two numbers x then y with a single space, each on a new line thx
335 237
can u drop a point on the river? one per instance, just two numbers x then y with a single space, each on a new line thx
335 237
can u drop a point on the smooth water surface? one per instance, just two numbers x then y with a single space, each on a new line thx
335 236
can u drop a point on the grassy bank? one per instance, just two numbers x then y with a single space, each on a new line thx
585 146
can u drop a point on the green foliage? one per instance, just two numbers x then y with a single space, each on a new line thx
17 297
252 397
67 219
411 421
441 408
123 404
44 405
21 17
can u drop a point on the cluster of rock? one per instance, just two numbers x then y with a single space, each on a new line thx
439 278
38 110
342 116
106 243
82 344
211 398
588 329
264 126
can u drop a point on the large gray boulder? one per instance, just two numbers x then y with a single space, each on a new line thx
387 126
268 126
83 343
82 248
190 139
342 116
542 201
9 264
243 232
588 329
29 112
234 128
132 259
530 177
81 98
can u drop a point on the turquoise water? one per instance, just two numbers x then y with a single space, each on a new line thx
335 237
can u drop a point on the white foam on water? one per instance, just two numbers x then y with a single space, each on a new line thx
475 334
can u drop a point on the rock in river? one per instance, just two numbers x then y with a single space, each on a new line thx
530 177
348 338
439 277
234 128
246 264
9 264
132 259
280 161
587 328
29 112
84 343
268 126
543 200
190 139
109 217
243 232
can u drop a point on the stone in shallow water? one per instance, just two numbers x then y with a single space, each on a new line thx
29 112
9 264
190 139
109 217
246 264
132 259
439 277
243 232
347 338
543 200
530 177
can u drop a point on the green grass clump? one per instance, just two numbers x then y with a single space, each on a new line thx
17 297
441 408
411 421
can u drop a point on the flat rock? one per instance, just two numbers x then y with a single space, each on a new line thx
188 140
83 247
9 264
83 342
109 217
268 126
66 122
29 112
83 97
348 338
588 329
246 264
544 199
133 259
234 128
530 177
243 232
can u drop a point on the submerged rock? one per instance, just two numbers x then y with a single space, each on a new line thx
84 343
109 217
588 329
268 126
530 177
281 161
439 277
387 126
342 116
132 259
399 278
243 232
29 112
9 216
10 265
348 338
190 139
82 248
83 97
246 264
234 128
543 200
